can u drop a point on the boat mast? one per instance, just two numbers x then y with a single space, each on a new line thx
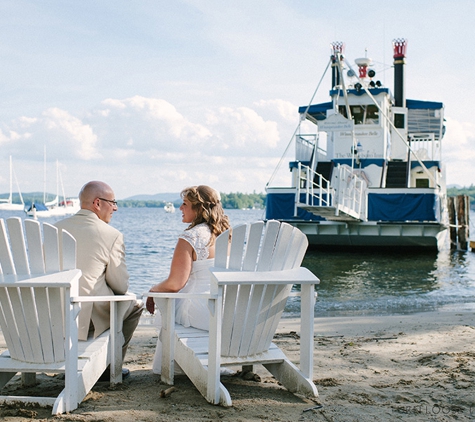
44 175
10 199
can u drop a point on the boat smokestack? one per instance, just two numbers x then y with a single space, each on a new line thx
399 46
337 55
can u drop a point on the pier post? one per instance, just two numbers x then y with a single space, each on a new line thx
452 221
463 206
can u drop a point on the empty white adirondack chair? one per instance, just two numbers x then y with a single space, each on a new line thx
39 304
249 289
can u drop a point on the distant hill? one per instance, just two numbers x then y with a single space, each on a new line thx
167 197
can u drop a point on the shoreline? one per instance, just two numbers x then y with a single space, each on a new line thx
397 367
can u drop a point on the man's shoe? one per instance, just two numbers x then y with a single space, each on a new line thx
106 375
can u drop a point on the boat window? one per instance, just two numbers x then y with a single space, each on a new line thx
422 183
399 121
372 115
362 114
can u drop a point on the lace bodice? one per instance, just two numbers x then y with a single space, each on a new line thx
198 237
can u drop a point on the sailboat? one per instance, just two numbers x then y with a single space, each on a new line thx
55 207
67 206
6 204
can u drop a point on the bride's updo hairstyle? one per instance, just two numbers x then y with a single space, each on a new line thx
207 203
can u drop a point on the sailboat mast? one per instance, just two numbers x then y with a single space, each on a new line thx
44 176
10 199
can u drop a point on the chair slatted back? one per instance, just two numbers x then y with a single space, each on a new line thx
251 311
33 319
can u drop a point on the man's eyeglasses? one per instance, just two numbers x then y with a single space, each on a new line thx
114 203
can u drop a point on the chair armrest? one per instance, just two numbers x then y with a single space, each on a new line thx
299 275
56 279
298 294
118 307
110 298
178 295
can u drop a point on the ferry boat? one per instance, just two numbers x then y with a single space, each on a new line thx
371 173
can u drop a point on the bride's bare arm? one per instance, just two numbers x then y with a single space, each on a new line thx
179 272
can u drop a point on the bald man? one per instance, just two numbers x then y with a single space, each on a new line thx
101 258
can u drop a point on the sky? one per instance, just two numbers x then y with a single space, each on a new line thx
152 96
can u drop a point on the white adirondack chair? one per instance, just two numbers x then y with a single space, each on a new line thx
39 305
249 289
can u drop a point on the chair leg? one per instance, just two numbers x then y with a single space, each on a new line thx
291 378
198 375
28 379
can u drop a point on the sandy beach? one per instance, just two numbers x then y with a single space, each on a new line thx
417 367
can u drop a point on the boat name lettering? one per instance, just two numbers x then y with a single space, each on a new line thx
363 133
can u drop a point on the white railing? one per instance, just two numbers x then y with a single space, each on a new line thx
315 192
348 193
425 147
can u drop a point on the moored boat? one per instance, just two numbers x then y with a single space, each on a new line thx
169 207
372 173
7 204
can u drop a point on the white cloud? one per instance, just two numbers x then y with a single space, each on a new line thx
458 151
70 132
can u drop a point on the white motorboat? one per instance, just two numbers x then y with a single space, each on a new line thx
169 207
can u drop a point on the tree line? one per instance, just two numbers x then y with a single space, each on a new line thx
470 192
235 200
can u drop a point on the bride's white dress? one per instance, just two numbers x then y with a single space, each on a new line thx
191 312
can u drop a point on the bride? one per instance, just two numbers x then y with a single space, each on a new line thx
193 255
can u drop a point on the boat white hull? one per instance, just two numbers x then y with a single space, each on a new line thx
375 234
11 207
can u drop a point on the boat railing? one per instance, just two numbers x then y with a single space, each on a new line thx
304 146
350 191
425 147
314 187
346 195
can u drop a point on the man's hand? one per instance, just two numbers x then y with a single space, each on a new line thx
150 304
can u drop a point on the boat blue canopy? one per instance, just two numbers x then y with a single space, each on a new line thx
39 206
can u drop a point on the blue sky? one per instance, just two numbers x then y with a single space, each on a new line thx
153 96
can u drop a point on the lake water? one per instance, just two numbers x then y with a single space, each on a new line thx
352 283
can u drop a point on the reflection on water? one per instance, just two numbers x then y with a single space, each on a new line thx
352 282
388 282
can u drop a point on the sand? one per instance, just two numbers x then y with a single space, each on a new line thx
418 367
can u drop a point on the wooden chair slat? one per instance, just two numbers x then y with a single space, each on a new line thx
58 323
68 251
8 325
51 248
229 310
221 248
252 246
240 317
44 318
236 251
18 247
35 246
268 245
7 266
